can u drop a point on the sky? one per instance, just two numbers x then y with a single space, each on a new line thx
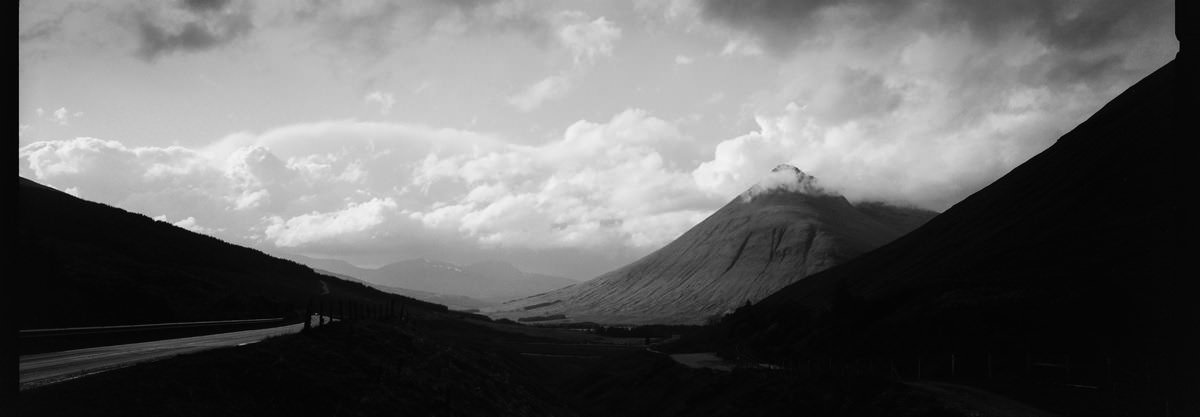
568 138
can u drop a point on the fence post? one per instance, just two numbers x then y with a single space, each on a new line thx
308 315
324 313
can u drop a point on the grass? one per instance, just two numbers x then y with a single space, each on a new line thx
447 365
363 368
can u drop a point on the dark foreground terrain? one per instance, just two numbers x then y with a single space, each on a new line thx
463 366
1072 275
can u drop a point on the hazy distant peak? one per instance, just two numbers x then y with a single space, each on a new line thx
785 177
493 266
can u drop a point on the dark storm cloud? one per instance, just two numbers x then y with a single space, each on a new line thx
378 27
52 26
781 24
205 5
41 30
212 25
1063 25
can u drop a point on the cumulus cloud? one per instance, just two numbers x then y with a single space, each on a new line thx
385 101
549 88
62 116
740 46
598 186
110 169
586 39
357 218
190 224
343 188
247 179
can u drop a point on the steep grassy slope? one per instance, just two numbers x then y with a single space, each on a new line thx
1083 253
80 263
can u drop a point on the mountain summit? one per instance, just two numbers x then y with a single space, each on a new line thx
781 230
784 178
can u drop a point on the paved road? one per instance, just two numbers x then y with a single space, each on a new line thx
48 368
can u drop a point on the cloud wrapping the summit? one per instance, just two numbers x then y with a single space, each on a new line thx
924 102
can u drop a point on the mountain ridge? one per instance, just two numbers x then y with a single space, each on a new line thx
83 263
773 234
1046 260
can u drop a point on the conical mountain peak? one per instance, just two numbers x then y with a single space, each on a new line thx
786 178
746 250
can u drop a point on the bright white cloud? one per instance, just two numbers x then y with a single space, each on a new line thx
597 186
61 117
601 186
242 179
355 219
190 224
586 39
385 101
741 46
683 59
547 89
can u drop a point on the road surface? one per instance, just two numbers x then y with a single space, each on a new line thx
47 368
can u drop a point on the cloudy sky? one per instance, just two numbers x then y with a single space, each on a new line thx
566 137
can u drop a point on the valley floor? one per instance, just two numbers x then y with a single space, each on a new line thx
464 366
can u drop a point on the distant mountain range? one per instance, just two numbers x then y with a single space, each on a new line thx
472 286
776 233
81 263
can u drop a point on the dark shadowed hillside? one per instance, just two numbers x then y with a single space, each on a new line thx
81 263
764 239
1079 259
